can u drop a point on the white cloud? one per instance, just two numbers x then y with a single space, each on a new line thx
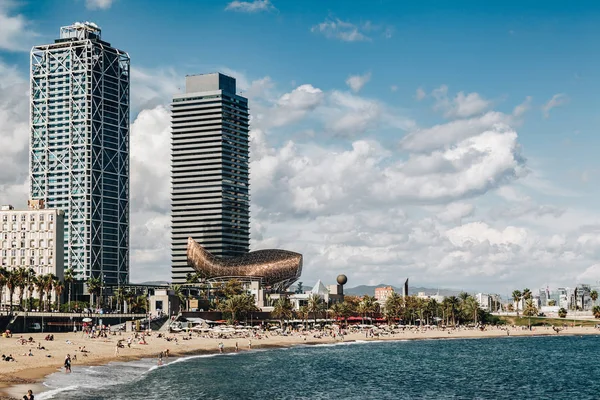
98 4
478 232
153 87
344 31
420 94
556 101
523 107
15 31
356 82
394 88
461 106
293 106
250 6
440 136
456 212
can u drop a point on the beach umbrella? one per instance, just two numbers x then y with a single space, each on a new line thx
87 320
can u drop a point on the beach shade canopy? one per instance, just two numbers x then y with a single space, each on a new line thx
87 320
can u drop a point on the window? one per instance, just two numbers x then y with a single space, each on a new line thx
22 252
41 217
22 235
22 244
13 218
4 218
14 227
32 218
22 217
51 217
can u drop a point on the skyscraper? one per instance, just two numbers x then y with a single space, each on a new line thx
210 150
79 147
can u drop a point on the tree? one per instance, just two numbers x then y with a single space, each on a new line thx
178 292
393 307
303 313
516 296
596 311
49 284
12 282
94 287
23 277
3 279
552 302
40 285
463 296
562 313
238 306
530 309
471 308
315 305
119 297
68 279
31 284
233 287
300 288
59 287
594 296
526 294
452 305
283 310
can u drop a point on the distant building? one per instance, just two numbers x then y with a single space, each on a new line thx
32 239
382 293
485 301
437 297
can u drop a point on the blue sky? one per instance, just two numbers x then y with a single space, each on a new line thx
416 66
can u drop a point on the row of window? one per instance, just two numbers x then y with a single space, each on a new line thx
31 253
41 226
23 235
32 243
23 217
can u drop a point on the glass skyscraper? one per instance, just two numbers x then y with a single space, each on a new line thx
79 149
210 176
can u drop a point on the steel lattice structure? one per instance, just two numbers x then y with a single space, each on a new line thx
79 147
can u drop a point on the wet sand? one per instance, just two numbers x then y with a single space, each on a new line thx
27 372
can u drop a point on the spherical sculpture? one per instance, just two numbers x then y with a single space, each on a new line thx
342 279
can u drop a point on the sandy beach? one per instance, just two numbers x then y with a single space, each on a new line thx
28 371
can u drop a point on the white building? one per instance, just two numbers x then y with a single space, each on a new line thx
437 297
484 300
32 238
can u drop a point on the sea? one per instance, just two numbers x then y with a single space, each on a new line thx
558 367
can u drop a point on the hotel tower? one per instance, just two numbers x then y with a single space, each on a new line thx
79 148
210 150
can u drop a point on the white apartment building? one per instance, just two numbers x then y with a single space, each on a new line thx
32 238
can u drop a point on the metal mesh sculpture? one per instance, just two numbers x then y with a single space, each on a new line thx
277 269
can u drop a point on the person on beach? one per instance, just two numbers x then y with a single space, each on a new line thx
29 395
236 346
68 363
221 346
117 350
249 344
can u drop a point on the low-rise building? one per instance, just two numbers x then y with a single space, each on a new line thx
382 293
32 238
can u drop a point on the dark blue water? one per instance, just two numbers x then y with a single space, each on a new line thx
503 368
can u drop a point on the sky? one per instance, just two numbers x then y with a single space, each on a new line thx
450 142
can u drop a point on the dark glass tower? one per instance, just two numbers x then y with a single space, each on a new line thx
210 176
79 149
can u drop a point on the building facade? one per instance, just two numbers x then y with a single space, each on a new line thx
32 239
382 293
210 172
79 147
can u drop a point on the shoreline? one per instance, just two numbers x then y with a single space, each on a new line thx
19 378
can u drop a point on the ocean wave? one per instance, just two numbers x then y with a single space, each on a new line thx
49 394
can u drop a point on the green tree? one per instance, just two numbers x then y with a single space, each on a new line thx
471 308
300 288
393 307
23 277
530 309
526 294
59 287
94 288
283 310
31 280
40 285
594 296
516 297
562 313
238 306
596 311
452 305
303 314
179 292
232 288
49 284
3 279
12 282
551 302
68 279
315 305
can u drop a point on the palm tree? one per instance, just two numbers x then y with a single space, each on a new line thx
31 284
471 307
49 284
40 285
596 311
393 306
526 294
22 280
119 297
283 310
551 302
315 305
594 296
178 292
59 287
94 287
530 309
12 282
453 303
3 279
303 313
68 279
238 305
516 297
